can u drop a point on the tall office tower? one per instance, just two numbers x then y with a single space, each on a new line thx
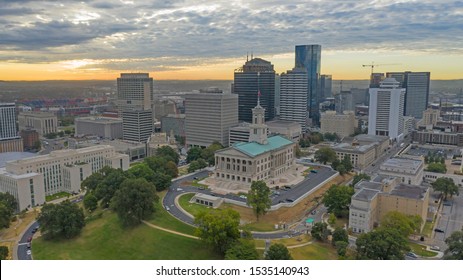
134 92
9 139
416 85
386 110
137 125
309 58
255 75
209 116
326 84
376 79
347 100
134 103
293 96
8 121
277 94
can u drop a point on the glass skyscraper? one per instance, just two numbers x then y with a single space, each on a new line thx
255 75
309 58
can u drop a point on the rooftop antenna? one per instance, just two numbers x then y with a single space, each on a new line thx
247 56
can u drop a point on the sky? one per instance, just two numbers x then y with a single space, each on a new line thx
202 39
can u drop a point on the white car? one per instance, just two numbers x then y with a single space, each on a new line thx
28 252
435 248
167 208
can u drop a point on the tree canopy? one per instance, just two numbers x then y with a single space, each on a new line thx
3 252
455 246
406 225
382 244
168 153
320 231
436 167
219 229
64 220
258 198
243 249
193 154
339 234
90 202
278 251
134 201
446 186
8 206
337 200
325 155
141 170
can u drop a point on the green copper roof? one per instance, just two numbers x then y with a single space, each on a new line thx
254 149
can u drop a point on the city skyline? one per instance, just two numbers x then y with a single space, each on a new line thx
195 40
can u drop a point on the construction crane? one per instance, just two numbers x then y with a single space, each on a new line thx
373 65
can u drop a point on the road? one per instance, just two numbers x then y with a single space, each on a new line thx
22 245
373 169
451 220
309 183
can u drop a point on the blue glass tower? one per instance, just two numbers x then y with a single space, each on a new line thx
309 58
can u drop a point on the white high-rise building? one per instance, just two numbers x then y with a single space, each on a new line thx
293 97
386 110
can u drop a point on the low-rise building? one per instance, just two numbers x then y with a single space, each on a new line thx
31 179
104 127
341 124
158 140
42 122
30 139
374 199
135 150
11 145
410 171
360 155
438 137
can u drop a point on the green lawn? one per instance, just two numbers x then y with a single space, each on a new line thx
420 250
105 239
192 208
314 251
163 219
427 229
56 196
260 226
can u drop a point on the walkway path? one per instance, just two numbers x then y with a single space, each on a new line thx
290 247
170 231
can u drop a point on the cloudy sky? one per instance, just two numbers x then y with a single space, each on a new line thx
202 39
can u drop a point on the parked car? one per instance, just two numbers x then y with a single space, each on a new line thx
435 248
29 239
289 200
447 203
28 252
313 171
438 230
411 255
167 208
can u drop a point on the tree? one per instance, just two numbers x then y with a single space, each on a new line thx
337 200
8 206
332 219
37 145
446 186
168 153
157 164
194 165
346 161
341 248
134 201
91 182
4 252
208 154
171 169
325 154
161 181
437 167
382 244
243 249
359 177
339 234
341 169
330 136
193 154
141 170
64 220
202 163
455 246
320 231
219 229
316 137
90 202
107 188
258 198
278 251
406 225
304 142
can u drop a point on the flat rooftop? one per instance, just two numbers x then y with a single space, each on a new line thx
369 185
409 191
366 194
346 147
404 165
104 120
10 156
